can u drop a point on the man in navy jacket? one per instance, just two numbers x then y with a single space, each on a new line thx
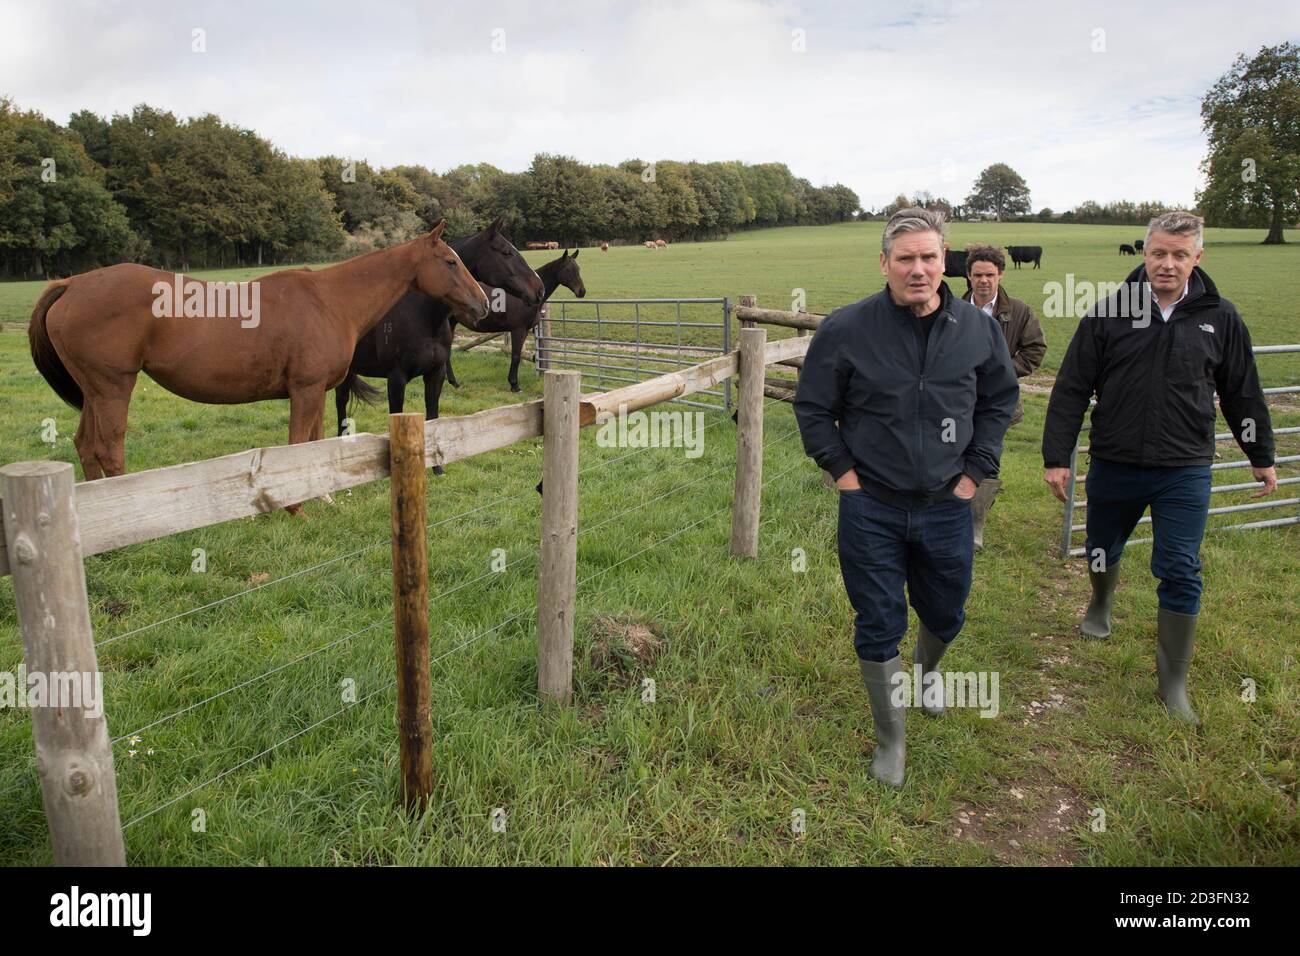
904 399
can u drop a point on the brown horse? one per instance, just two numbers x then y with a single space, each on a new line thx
292 335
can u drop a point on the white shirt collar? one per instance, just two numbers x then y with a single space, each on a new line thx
1165 313
987 307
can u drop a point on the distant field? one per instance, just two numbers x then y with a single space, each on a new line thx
838 264
759 711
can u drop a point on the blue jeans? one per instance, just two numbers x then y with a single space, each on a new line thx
1179 499
882 548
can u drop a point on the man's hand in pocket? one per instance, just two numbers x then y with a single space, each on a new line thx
965 489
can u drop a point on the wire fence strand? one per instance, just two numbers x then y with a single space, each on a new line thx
357 553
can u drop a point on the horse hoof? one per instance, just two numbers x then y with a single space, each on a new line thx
437 470
515 388
296 511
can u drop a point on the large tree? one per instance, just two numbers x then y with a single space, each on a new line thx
1000 190
1252 120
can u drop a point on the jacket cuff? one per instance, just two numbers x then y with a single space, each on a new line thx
1264 461
841 466
976 473
1055 464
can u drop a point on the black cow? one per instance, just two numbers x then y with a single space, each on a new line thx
1021 254
954 264
1139 244
1127 250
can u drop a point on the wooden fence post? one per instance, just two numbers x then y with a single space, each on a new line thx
749 301
411 606
557 577
73 755
749 445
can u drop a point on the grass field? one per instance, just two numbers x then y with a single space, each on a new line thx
759 709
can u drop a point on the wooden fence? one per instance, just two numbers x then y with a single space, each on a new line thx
51 524
779 386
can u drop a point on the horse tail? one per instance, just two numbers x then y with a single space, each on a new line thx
451 376
357 388
44 355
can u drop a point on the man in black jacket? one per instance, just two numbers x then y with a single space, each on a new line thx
1154 354
904 399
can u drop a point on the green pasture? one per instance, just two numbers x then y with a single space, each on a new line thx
758 712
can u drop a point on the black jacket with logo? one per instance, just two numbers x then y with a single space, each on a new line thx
1155 381
910 414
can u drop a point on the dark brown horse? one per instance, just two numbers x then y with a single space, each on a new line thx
288 335
519 317
414 340
411 341
408 341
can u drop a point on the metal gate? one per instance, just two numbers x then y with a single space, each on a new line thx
621 341
1068 527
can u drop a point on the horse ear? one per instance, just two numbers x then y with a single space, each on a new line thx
497 223
436 233
575 253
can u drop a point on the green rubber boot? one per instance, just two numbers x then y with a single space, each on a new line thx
1175 639
1096 620
891 747
926 657
980 505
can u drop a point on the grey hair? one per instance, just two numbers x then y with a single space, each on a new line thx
912 219
1179 223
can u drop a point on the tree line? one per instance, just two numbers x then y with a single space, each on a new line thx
194 193
1001 193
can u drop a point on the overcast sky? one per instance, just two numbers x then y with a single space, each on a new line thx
884 97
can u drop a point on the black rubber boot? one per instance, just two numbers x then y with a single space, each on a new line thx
1175 640
891 747
926 657
980 506
1096 620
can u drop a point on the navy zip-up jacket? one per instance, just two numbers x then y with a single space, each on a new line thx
910 414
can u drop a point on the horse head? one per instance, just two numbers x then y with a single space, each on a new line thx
495 262
440 273
569 276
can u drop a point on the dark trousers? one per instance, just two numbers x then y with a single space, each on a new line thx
882 548
1179 499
